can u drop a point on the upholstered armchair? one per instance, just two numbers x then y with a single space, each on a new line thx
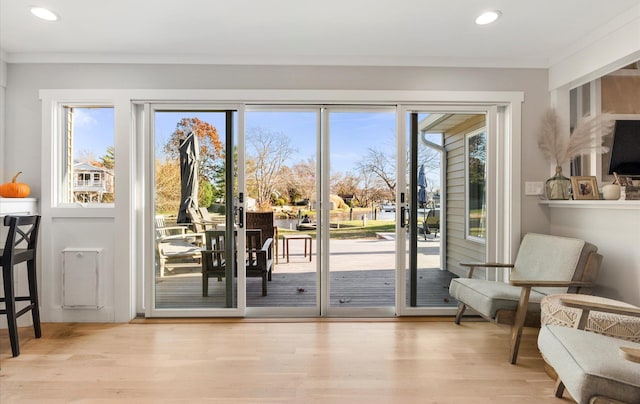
544 265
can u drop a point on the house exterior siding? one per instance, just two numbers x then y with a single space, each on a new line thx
459 248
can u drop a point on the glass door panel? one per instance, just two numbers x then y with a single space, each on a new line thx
437 186
281 171
362 211
195 186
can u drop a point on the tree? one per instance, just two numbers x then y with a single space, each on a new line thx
381 165
371 190
205 194
85 156
345 185
299 181
208 141
268 151
109 158
219 180
428 157
285 189
167 186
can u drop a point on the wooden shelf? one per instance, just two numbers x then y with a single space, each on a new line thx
593 204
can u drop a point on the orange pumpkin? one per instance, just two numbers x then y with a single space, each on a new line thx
14 189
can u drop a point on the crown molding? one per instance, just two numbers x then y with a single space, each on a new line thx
273 60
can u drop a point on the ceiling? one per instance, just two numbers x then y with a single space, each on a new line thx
304 32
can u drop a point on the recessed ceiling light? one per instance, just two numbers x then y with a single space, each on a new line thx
44 13
488 17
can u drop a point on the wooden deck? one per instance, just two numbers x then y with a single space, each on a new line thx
361 275
360 288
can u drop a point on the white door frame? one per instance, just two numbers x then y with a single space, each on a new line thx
503 187
147 225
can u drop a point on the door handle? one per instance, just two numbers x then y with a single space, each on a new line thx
240 217
402 211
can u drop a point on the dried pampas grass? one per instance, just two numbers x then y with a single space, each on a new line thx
586 137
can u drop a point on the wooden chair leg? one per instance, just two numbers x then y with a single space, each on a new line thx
264 284
559 388
516 330
205 285
461 308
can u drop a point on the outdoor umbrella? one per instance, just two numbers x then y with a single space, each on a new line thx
188 176
422 187
422 196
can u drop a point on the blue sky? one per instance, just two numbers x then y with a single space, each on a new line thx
93 131
352 133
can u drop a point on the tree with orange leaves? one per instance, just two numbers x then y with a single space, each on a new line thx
208 140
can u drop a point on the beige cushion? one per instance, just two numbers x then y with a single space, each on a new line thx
590 364
487 297
543 257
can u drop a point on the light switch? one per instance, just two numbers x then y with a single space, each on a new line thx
532 188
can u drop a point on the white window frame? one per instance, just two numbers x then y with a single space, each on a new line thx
58 156
467 208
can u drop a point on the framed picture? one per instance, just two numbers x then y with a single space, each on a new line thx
584 188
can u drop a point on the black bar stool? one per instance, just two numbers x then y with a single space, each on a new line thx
21 229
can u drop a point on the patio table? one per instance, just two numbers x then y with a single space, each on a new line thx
285 244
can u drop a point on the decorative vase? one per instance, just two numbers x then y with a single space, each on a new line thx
558 186
611 192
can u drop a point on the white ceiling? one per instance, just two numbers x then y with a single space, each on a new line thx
531 33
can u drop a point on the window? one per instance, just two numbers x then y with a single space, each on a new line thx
476 180
87 155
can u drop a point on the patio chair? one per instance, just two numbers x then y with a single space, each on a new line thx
197 221
213 258
164 232
176 247
593 368
206 216
259 257
431 224
264 221
545 265
259 260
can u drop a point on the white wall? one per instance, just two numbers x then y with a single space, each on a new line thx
614 226
3 85
23 144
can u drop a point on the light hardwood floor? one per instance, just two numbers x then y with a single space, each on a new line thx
418 360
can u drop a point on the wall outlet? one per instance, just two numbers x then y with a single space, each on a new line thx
533 188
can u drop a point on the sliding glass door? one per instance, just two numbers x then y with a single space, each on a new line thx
197 207
308 210
446 203
333 212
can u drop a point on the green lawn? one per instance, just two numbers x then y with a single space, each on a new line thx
352 229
